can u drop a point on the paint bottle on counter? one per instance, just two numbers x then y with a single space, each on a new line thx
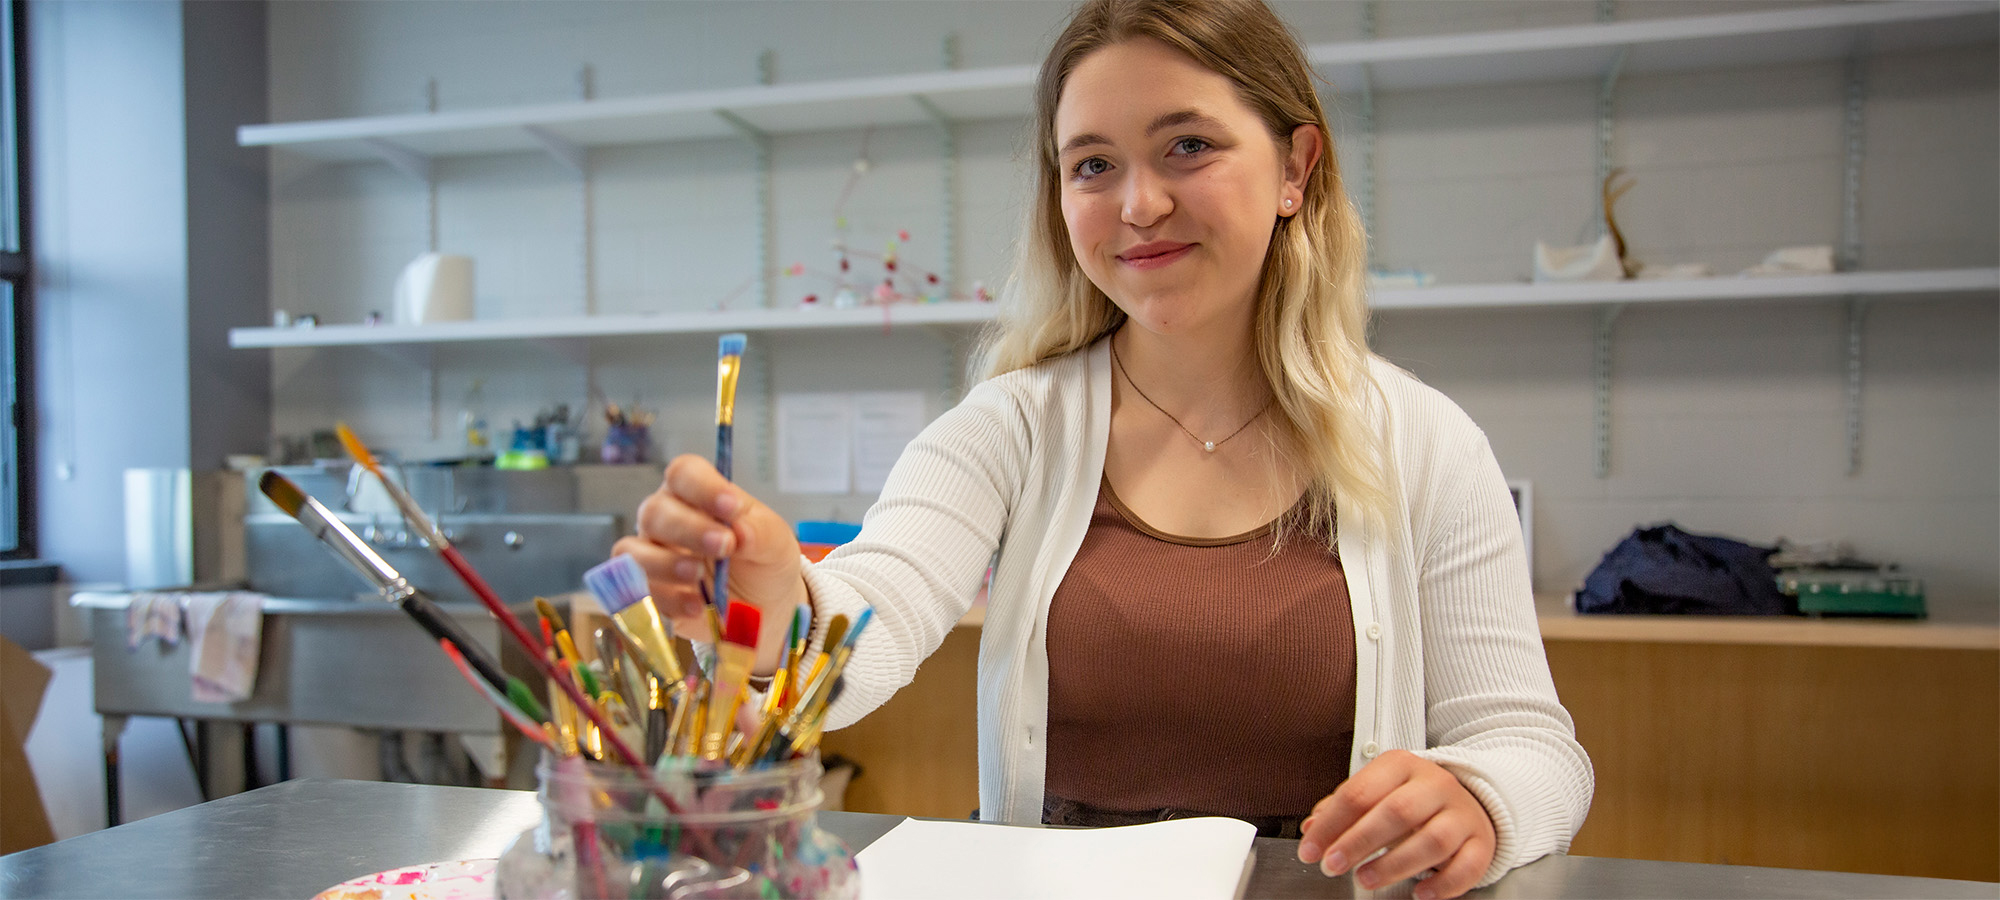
472 423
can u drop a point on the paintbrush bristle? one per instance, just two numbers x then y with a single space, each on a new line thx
731 344
617 583
835 631
547 611
860 622
283 492
743 624
355 448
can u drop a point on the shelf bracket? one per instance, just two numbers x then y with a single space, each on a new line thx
767 381
1364 198
567 153
404 159
571 349
1857 314
954 372
948 174
1600 381
1853 136
760 151
418 356
1607 96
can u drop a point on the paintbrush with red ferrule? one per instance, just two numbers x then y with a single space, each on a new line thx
735 654
418 520
514 629
321 523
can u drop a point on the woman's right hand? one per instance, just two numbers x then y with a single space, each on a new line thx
697 517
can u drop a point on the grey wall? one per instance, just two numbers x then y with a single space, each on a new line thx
229 228
1726 417
150 236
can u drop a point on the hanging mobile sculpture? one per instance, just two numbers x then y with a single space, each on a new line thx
898 281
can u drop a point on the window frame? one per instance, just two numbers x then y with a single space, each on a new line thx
17 269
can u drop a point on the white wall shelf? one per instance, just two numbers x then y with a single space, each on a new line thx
1723 41
1820 32
1868 285
559 328
1865 285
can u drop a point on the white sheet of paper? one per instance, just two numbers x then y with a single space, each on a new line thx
814 450
1195 859
884 423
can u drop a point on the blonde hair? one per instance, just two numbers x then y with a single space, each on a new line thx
1311 317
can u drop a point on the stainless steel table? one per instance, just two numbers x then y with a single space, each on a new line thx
297 838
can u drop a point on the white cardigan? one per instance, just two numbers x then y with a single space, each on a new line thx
1449 661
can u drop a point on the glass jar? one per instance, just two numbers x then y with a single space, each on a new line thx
624 444
606 832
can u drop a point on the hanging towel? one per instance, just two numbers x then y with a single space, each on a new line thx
151 615
225 635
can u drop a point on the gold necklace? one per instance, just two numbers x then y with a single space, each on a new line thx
1206 446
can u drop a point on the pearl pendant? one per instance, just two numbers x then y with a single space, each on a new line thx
1208 446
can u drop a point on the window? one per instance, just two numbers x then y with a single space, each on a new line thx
17 533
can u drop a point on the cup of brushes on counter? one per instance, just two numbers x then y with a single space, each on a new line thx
656 780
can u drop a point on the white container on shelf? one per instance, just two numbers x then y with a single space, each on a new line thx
435 287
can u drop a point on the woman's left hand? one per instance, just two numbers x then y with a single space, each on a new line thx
1412 806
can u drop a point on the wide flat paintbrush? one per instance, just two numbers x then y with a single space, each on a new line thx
735 654
386 580
619 585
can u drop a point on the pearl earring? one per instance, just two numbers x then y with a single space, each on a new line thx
1288 203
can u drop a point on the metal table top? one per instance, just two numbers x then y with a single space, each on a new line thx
298 838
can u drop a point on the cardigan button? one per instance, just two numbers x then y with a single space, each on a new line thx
1370 750
1374 631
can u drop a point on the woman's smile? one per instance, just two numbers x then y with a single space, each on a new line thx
1154 254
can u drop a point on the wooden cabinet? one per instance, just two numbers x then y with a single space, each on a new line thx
1857 746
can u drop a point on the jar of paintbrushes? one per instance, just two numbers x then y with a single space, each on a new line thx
657 780
686 830
661 780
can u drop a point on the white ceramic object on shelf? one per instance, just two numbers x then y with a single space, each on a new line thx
1586 262
1815 260
435 287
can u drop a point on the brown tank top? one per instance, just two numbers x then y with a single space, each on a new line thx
1202 675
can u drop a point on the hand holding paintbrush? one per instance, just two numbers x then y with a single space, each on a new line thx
698 524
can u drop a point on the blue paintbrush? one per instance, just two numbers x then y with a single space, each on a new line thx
728 368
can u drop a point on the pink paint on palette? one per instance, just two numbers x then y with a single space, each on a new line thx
463 879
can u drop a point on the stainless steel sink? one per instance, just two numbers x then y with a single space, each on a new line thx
517 529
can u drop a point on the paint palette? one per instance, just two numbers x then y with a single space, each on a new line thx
463 879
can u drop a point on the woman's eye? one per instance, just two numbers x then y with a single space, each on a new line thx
1189 146
1090 167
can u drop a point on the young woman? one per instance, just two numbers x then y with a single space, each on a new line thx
1245 567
